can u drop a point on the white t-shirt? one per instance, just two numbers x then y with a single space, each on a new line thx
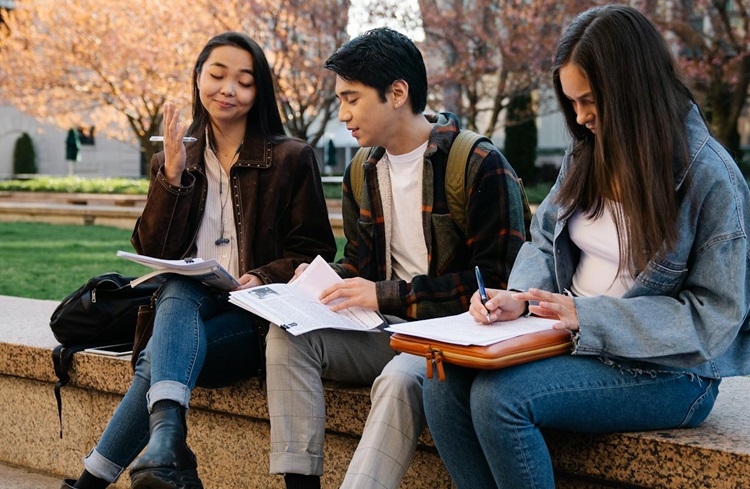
596 273
408 247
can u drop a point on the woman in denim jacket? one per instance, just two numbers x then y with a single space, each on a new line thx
640 250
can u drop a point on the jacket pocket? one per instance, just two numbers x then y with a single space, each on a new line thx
447 242
663 276
365 230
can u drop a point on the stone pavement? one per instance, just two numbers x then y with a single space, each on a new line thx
12 477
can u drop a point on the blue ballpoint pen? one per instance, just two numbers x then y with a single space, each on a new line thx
482 291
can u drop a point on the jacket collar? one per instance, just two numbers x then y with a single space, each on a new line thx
698 135
256 152
445 129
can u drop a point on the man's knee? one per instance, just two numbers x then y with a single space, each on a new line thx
276 334
286 349
402 377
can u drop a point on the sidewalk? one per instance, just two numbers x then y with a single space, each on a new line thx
12 477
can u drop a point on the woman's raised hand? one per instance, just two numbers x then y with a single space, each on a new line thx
174 148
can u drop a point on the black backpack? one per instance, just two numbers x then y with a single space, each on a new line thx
101 312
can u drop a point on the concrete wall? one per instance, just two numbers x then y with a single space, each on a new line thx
107 157
110 158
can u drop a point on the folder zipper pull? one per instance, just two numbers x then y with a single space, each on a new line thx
435 357
439 364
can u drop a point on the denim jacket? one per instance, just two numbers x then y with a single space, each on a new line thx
687 310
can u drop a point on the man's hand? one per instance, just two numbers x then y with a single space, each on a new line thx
354 292
301 268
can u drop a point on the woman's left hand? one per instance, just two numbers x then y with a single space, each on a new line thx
551 305
249 280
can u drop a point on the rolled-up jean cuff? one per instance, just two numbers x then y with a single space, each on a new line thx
293 463
99 466
168 390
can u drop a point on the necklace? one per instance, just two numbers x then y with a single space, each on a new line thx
223 199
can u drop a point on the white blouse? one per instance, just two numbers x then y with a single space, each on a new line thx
217 234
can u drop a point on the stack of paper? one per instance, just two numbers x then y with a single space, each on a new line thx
296 307
210 272
463 330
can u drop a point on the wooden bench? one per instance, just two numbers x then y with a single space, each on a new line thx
229 429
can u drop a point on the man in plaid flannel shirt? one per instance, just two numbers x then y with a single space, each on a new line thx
404 257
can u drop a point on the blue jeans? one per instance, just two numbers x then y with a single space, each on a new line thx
199 338
486 424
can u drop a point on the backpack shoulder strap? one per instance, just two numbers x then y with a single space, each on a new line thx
460 172
62 358
357 173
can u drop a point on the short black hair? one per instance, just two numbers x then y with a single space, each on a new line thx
380 57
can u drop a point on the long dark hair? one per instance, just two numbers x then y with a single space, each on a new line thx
641 106
264 116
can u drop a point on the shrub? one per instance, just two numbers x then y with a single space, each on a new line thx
24 156
130 186
521 136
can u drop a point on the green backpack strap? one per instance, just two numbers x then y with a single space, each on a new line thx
357 173
460 172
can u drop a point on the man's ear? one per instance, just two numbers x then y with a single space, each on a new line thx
399 93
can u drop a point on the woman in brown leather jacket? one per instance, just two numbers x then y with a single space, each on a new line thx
242 193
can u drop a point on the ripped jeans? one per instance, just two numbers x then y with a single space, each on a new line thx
486 424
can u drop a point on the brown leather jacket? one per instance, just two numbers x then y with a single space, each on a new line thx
280 211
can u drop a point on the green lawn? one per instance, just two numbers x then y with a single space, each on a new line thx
46 261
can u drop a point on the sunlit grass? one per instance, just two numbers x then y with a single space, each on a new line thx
48 261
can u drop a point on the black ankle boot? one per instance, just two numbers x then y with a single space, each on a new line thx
167 463
68 484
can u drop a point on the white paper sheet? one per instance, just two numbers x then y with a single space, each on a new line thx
463 330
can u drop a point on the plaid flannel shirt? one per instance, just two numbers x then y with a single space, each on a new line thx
495 231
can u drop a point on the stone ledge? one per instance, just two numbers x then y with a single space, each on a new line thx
237 415
103 215
714 455
115 216
124 200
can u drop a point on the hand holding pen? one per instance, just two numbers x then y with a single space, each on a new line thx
497 305
482 292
